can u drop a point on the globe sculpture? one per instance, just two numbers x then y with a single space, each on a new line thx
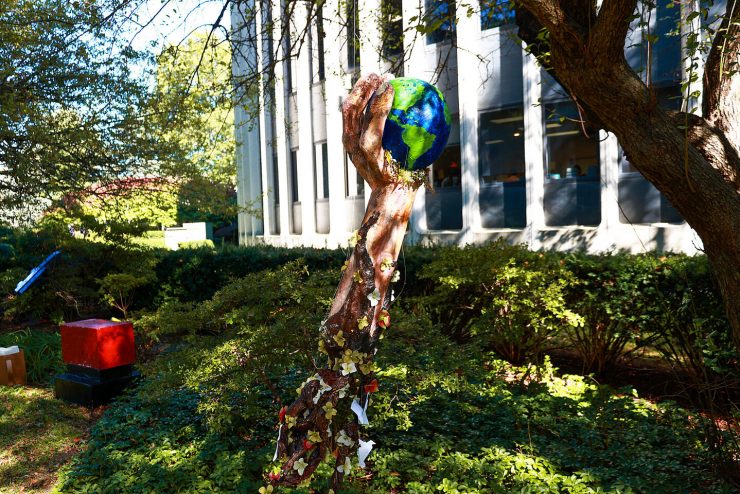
418 124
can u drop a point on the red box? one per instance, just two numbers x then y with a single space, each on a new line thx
98 343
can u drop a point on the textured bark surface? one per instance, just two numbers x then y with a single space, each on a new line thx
694 161
320 424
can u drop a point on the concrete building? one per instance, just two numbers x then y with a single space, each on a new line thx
518 164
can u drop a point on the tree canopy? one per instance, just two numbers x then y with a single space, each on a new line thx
68 104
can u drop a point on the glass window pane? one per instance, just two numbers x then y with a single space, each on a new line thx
501 145
502 198
444 203
294 175
495 13
572 188
569 152
325 168
439 18
392 28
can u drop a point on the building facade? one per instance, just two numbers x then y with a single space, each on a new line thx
518 163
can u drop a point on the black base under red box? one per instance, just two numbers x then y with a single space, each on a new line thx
92 388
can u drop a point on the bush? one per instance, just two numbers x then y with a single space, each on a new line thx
619 299
693 333
504 297
197 244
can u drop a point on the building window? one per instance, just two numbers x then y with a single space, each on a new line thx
321 163
275 180
392 29
444 203
495 13
325 169
502 198
353 36
293 175
439 20
572 185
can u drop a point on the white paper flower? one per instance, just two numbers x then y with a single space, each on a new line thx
396 276
300 466
348 368
346 468
343 391
344 439
323 389
374 297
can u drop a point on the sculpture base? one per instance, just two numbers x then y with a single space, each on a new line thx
90 390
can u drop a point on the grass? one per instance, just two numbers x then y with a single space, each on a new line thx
38 435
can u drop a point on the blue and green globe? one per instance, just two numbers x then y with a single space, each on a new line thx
418 124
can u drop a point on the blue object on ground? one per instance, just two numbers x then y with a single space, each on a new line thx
35 273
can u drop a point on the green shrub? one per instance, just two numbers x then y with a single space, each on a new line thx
42 353
197 244
503 296
619 299
693 333
194 275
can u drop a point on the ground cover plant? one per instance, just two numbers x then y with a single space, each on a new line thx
38 434
448 416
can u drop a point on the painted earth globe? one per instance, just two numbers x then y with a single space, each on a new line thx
418 124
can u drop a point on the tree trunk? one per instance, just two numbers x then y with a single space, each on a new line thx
695 162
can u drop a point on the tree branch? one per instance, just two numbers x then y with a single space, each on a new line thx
721 98
611 28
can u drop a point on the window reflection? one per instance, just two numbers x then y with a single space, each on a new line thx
501 144
502 198
572 188
569 152
439 18
495 13
444 203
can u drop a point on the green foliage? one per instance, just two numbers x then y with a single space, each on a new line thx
194 275
192 111
447 418
69 104
197 244
69 288
619 299
42 353
117 289
691 329
506 298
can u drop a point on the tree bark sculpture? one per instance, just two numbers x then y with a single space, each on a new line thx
323 421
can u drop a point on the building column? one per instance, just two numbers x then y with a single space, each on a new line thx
333 96
268 197
534 153
468 38
306 190
248 182
609 154
281 123
371 45
414 66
